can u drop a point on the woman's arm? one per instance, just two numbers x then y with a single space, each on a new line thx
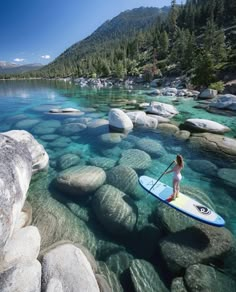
173 169
166 172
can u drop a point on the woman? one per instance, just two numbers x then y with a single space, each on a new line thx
176 177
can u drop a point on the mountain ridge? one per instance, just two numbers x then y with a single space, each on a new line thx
13 68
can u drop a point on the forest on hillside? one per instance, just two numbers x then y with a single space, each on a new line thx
197 39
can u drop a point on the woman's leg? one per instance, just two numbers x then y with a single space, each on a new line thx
175 191
175 188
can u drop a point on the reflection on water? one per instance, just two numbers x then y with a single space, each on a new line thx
25 105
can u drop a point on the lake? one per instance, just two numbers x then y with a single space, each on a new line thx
59 216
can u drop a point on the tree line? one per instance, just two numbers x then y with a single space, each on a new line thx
191 40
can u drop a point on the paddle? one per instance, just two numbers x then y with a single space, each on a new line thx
161 176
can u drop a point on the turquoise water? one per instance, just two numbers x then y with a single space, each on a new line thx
60 217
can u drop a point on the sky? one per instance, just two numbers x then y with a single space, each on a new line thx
38 31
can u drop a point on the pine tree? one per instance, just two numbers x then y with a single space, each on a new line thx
164 45
173 15
204 72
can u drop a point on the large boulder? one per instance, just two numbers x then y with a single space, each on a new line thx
38 154
113 210
194 245
145 278
111 138
110 277
168 129
22 277
208 94
103 162
136 159
67 160
98 126
140 119
228 175
152 147
119 120
25 217
227 101
217 145
119 262
46 127
203 125
69 265
204 167
15 173
123 177
71 129
23 246
159 118
206 278
162 109
80 180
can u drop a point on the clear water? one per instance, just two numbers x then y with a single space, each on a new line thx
60 217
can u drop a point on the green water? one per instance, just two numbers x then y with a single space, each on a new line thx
60 217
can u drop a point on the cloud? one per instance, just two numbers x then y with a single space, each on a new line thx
18 60
46 57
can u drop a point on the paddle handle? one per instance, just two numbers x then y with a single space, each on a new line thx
161 176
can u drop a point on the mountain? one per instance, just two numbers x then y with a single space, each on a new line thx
124 26
196 40
12 68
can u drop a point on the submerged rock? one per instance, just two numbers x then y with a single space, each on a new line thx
80 180
145 278
205 278
123 177
119 262
111 138
194 245
217 145
204 166
103 162
110 277
150 146
136 159
228 175
26 124
67 160
98 127
46 127
178 285
113 210
71 129
168 129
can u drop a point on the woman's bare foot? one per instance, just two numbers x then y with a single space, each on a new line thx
171 198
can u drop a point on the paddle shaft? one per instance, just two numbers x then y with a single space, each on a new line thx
161 176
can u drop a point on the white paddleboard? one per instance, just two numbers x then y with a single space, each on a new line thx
182 203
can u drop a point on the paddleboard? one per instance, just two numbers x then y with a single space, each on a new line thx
182 203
